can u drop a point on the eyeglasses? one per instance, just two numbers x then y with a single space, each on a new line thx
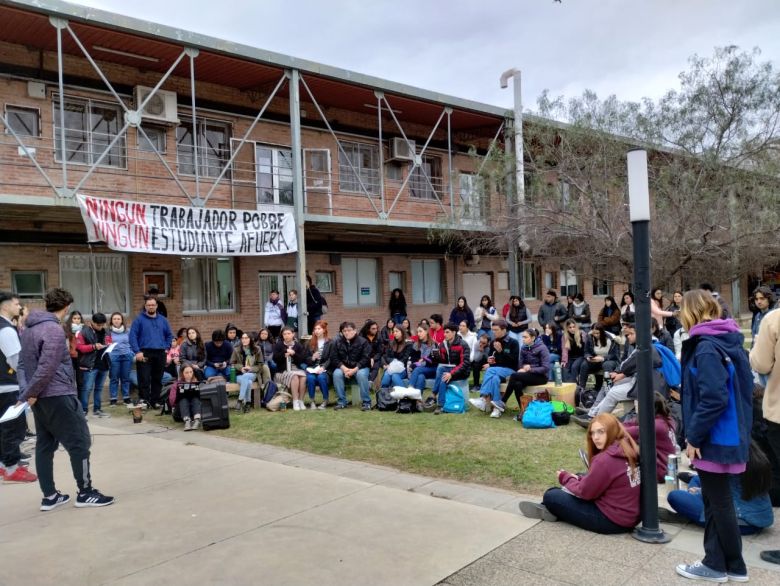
595 432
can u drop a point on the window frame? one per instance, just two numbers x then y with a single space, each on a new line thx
276 153
202 165
564 281
599 285
418 182
92 154
535 292
39 295
371 187
36 112
93 276
140 140
210 279
374 282
321 276
425 299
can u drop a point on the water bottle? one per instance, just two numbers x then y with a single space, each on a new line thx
672 466
557 374
232 374
283 406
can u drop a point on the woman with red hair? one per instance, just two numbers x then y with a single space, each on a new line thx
606 498
319 360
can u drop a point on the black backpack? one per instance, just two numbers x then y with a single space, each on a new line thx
407 405
585 398
385 401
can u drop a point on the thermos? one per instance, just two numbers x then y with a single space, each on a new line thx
672 467
557 374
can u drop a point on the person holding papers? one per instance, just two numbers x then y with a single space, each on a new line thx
91 343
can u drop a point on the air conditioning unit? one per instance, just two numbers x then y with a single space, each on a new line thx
161 108
402 150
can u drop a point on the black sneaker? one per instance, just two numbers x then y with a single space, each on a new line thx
127 400
112 403
93 498
582 420
366 407
54 502
339 406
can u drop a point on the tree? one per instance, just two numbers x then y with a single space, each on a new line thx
713 149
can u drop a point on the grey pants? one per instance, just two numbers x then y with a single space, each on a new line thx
618 392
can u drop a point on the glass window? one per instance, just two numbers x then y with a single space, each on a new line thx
29 284
274 176
324 280
359 276
23 121
568 280
155 142
396 280
90 127
360 165
426 281
426 188
395 172
530 281
316 169
98 282
600 287
213 147
207 284
470 197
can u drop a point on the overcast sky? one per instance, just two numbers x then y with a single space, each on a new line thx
631 48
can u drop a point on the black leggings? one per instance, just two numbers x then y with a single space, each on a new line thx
517 383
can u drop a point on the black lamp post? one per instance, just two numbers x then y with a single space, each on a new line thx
639 198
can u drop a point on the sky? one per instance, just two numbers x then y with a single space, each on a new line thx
630 48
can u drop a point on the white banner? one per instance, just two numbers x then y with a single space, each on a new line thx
187 231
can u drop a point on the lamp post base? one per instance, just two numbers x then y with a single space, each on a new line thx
650 535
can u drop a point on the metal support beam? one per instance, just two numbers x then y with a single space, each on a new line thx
449 161
60 24
379 95
296 144
514 282
192 54
27 152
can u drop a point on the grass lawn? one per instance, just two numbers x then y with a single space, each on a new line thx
469 447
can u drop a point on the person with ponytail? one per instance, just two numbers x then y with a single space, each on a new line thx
605 499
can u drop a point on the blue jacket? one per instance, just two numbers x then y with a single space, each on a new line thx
536 356
150 333
717 408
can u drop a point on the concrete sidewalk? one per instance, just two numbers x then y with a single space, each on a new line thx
219 511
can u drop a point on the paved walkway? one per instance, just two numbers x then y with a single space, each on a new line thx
195 506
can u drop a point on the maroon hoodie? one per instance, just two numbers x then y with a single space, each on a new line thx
665 443
610 484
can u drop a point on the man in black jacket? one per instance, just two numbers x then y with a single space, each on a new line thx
91 343
454 363
352 360
503 361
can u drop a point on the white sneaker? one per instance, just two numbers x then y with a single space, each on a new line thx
478 403
312 405
323 406
496 413
296 406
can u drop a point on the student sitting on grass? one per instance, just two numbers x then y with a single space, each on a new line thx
605 499
188 398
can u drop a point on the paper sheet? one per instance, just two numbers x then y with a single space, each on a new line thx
109 349
13 412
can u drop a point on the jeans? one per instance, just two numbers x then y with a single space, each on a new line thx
722 540
189 408
553 359
321 379
60 420
120 373
580 513
398 318
245 381
515 336
618 392
494 376
92 381
150 375
439 385
11 432
419 374
210 371
488 332
339 382
396 380
519 381
691 506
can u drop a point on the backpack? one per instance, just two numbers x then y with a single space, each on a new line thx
454 401
585 397
407 405
385 401
269 390
562 412
670 366
538 415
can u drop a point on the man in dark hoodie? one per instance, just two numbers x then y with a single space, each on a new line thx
454 363
48 384
552 311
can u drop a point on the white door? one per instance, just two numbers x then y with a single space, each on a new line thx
475 285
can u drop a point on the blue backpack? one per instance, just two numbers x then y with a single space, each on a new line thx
670 366
538 415
454 401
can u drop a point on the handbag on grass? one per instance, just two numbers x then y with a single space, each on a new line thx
538 415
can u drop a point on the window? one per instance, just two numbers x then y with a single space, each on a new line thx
549 281
316 169
365 160
470 196
394 172
600 287
98 282
282 282
359 280
156 140
565 195
23 121
207 284
530 281
396 280
324 280
29 284
90 126
274 176
503 281
568 280
426 281
423 187
213 147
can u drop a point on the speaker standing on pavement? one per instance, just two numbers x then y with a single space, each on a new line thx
150 339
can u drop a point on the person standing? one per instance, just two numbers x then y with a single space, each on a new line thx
292 310
121 360
47 383
91 343
552 311
315 304
154 292
275 315
12 469
717 406
397 306
150 339
764 301
765 360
